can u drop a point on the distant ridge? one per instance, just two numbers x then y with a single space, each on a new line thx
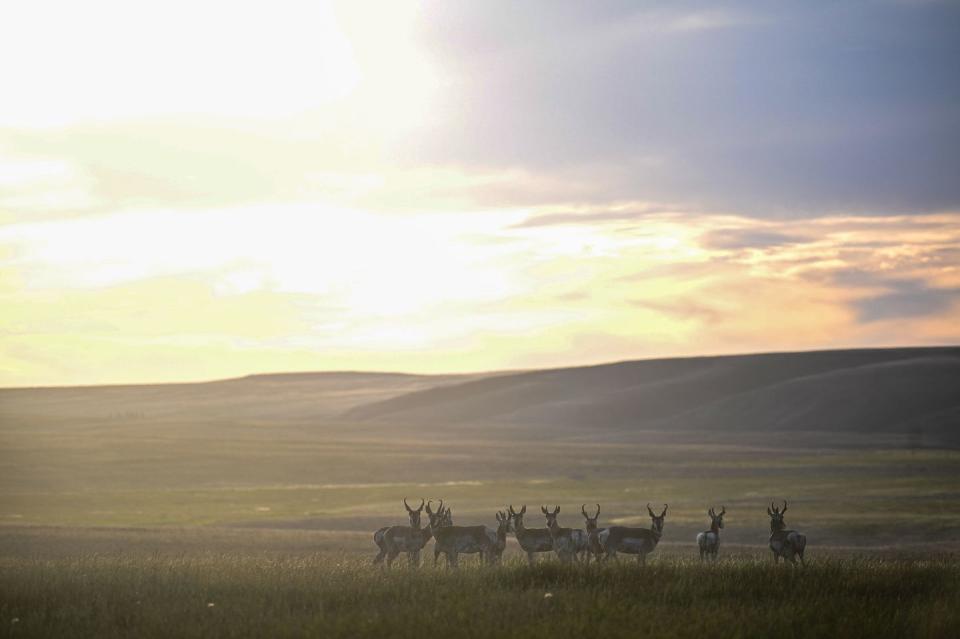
912 391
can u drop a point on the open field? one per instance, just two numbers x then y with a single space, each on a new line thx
338 595
126 510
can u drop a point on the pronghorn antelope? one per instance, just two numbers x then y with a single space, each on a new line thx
452 540
593 540
709 540
568 543
378 537
499 537
531 540
634 541
398 539
788 544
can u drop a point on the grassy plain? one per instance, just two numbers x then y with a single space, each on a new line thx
341 595
127 512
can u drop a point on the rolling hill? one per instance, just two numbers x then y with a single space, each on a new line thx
906 391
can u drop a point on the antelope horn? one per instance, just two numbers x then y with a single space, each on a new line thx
723 510
784 506
407 506
511 510
556 510
421 505
598 512
775 510
664 513
523 509
650 510
543 509
583 509
429 511
710 512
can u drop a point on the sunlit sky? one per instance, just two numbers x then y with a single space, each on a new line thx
199 190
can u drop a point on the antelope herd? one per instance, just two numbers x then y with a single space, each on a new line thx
569 544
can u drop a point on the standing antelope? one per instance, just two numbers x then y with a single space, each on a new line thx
568 543
499 537
593 539
709 540
409 539
378 537
634 541
452 540
788 544
531 540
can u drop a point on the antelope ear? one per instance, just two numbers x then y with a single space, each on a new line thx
543 509
768 511
557 510
421 505
523 509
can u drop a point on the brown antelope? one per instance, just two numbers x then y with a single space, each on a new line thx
634 541
568 543
414 516
788 544
531 540
709 540
398 539
452 540
593 531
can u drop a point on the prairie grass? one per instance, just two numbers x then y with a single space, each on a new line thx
342 595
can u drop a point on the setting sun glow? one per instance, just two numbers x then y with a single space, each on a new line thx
192 191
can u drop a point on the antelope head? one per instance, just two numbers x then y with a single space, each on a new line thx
414 514
591 522
657 519
551 516
503 523
517 516
446 517
436 518
776 516
716 519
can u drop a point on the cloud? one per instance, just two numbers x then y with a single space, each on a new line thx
731 239
792 109
906 299
595 215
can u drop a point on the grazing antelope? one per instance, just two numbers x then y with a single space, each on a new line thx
709 540
452 540
398 539
378 537
634 541
593 531
531 540
788 544
568 543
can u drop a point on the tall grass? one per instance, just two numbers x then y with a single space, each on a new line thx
242 595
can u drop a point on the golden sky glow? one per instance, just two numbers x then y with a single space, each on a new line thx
193 191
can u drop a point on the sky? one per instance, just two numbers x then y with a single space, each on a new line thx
201 190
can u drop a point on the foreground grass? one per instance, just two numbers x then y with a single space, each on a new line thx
343 596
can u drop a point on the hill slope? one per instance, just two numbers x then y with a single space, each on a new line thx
912 391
